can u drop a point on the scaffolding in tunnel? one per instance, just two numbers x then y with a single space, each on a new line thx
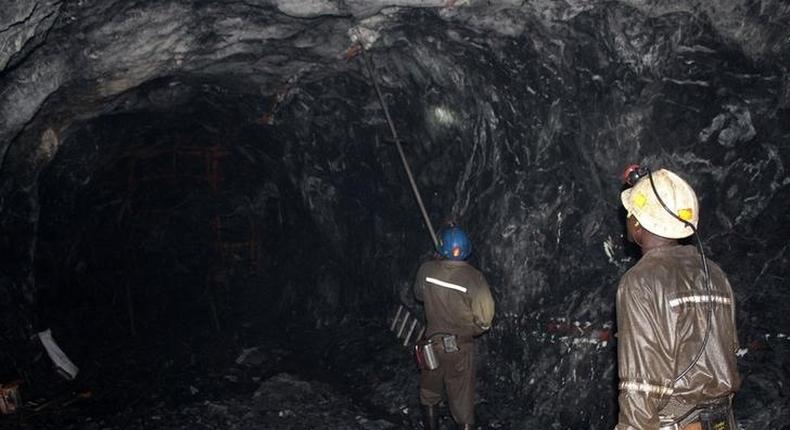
234 238
156 183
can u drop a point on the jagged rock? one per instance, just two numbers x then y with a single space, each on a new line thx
180 166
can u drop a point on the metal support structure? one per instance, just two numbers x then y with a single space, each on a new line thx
397 316
411 330
403 324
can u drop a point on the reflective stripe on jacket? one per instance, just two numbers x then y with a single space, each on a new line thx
661 321
456 296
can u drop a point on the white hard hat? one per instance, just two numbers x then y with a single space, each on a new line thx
677 194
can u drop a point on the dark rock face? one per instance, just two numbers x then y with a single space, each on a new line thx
221 165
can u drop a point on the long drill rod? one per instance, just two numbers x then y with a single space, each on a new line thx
369 65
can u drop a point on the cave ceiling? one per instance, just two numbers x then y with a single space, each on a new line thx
66 60
517 117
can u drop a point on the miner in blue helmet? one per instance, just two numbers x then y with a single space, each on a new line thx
455 244
458 307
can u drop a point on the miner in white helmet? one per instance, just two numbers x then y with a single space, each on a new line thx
676 339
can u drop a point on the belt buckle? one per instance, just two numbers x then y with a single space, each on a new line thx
450 343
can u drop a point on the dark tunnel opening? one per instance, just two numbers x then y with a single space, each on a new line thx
165 212
203 204
171 238
190 200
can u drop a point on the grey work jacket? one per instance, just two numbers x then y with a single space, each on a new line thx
456 296
661 321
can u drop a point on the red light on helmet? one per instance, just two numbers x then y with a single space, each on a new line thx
632 174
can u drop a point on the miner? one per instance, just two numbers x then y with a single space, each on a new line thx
458 307
677 341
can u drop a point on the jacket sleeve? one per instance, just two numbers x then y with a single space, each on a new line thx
644 355
736 379
482 306
735 343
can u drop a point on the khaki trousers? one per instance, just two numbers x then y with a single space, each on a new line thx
456 373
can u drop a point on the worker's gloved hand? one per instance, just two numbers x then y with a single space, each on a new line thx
480 327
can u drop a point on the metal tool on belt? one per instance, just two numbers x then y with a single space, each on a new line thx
717 415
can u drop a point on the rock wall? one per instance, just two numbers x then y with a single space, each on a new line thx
517 119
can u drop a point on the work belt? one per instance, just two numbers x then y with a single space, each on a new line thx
449 342
713 415
459 339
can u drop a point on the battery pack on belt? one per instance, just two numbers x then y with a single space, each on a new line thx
710 417
716 418
716 415
425 355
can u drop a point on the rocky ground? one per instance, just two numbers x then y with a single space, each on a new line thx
353 376
338 379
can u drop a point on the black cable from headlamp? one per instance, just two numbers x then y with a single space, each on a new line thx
633 174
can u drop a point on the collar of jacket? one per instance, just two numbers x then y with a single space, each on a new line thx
453 262
671 249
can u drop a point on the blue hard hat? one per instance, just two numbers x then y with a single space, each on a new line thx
455 244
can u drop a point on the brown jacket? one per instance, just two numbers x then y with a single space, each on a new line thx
456 297
661 321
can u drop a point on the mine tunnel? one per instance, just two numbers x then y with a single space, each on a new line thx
206 223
